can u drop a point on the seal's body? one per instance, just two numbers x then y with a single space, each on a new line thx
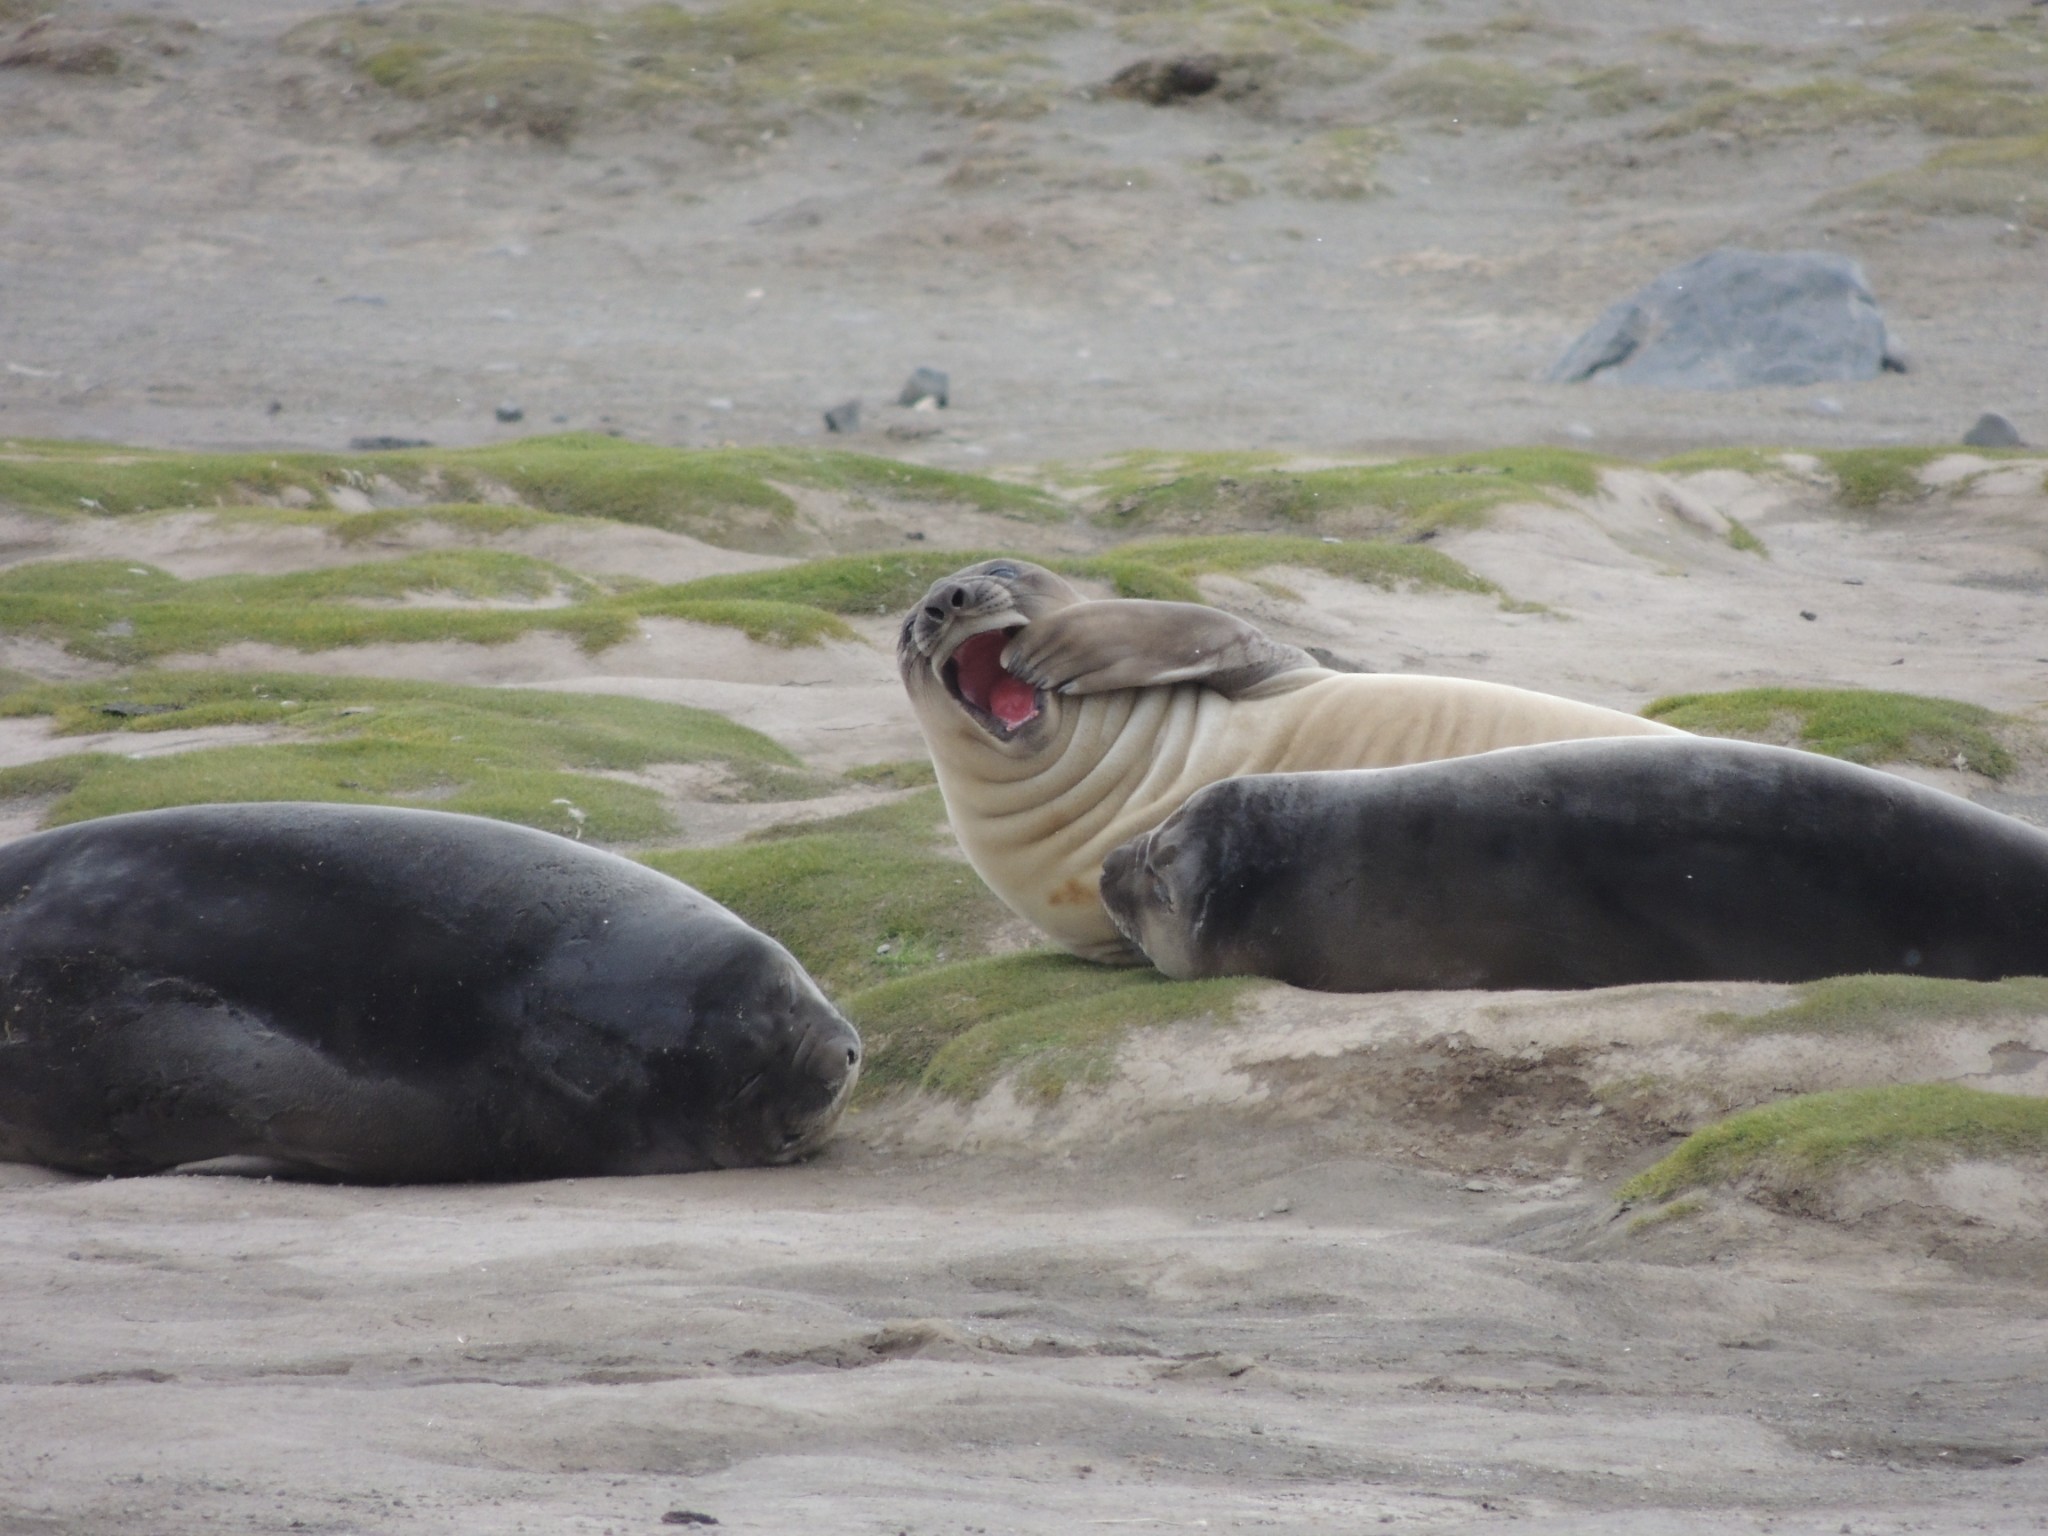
1060 726
392 995
1585 864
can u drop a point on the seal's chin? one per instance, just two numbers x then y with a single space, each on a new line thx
974 676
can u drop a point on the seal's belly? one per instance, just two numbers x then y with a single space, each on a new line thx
1042 849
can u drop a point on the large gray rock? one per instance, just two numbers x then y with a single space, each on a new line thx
1735 319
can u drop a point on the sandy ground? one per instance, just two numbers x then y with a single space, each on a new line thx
1345 1265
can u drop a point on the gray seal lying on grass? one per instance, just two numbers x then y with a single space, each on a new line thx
1584 864
1060 726
392 995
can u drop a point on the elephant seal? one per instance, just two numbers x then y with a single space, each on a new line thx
1585 864
392 996
1061 726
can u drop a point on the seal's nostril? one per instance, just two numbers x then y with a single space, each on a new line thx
852 1057
959 597
934 611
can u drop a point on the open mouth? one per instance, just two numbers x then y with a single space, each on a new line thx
974 675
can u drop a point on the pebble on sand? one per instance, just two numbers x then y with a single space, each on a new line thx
1993 431
925 384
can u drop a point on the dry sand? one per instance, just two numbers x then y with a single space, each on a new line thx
1349 1264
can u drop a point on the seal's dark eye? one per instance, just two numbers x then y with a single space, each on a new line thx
1003 572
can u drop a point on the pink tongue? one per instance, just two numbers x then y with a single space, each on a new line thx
984 684
1012 701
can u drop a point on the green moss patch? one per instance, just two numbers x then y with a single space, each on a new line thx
474 521
858 899
1870 477
734 62
1467 92
2002 178
1883 1005
1809 107
1996 52
127 614
1925 1125
1863 726
1163 569
1739 537
112 611
1751 461
910 773
893 924
520 755
955 1029
1314 33
1617 88
1338 164
734 497
848 584
1227 493
1945 74
1166 568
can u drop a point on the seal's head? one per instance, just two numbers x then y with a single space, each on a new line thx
1156 890
720 1052
789 1075
950 650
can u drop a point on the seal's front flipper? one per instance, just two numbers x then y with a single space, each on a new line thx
1100 647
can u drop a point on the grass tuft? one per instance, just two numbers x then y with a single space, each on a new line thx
858 899
733 497
1870 477
1247 492
730 63
848 584
1166 568
888 919
537 758
130 614
956 1029
1739 537
2000 178
1463 91
1883 1005
1814 1135
1862 726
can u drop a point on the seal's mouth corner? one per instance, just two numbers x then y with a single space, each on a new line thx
975 677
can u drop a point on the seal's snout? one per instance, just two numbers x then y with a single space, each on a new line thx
823 1069
952 595
1120 884
830 1054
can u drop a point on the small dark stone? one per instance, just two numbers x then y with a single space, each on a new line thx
843 417
687 1517
918 536
1163 81
925 384
130 711
275 408
1808 614
509 412
1993 431
386 444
